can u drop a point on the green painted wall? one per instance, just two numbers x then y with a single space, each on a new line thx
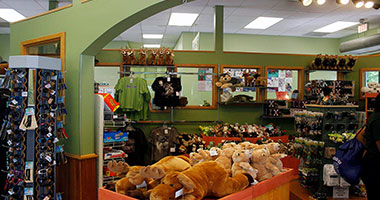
5 46
359 35
179 44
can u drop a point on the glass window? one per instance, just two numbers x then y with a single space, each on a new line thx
239 74
52 49
323 75
371 76
196 87
281 82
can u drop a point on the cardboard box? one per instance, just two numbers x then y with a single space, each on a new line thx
115 136
341 192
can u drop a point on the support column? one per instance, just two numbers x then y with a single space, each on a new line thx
219 28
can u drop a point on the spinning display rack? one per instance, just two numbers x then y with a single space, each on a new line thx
33 130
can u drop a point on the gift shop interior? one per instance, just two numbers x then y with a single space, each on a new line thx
189 99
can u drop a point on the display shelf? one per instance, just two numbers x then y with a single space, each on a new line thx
315 70
240 104
331 106
281 117
208 139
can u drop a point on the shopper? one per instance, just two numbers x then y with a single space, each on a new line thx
371 160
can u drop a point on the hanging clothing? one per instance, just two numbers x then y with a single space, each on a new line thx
164 141
4 96
134 97
135 147
167 91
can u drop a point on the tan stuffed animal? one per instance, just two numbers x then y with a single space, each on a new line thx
229 145
137 175
225 158
142 58
195 158
241 164
261 162
214 152
205 155
161 57
169 59
204 179
276 157
152 57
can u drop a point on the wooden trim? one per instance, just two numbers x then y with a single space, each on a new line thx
45 13
106 64
84 1
214 88
330 106
283 54
3 68
110 49
193 51
369 56
362 79
81 157
301 78
259 70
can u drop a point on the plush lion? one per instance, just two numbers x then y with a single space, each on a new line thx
204 179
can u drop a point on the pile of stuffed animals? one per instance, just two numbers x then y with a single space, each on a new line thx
250 80
241 130
333 62
160 56
189 143
214 173
373 87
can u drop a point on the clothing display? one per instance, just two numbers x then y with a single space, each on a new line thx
167 91
135 147
133 95
164 141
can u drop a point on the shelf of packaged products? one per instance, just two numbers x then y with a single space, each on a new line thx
332 106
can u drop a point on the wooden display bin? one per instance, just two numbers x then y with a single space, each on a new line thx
217 140
277 187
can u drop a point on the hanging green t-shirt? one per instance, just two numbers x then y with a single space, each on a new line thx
134 97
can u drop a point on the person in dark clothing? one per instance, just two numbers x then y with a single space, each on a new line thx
371 160
135 147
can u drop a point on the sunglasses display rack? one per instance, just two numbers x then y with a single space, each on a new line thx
34 130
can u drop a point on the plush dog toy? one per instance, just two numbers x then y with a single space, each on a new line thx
226 81
225 158
260 81
241 164
204 179
373 87
261 162
137 175
317 62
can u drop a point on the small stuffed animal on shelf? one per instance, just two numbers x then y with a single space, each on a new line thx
204 179
241 164
169 59
326 62
317 62
225 158
342 63
249 80
152 57
260 81
373 87
125 56
161 57
131 56
351 62
142 58
333 62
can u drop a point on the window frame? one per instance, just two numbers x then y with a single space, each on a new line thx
301 79
362 78
214 88
259 69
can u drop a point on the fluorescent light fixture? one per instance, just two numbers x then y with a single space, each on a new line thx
336 26
182 19
153 36
10 15
263 22
306 2
369 4
344 2
321 2
152 45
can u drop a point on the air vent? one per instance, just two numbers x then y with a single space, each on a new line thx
315 34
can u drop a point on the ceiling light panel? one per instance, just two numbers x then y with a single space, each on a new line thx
336 26
263 22
182 19
152 45
153 36
10 15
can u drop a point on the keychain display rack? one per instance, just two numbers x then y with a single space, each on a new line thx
33 130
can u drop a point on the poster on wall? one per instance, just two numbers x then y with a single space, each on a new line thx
280 80
204 81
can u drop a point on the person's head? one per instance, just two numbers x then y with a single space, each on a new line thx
377 103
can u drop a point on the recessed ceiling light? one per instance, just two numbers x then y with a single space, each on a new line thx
306 2
153 36
10 15
344 2
152 45
182 19
263 22
369 4
321 2
336 26
358 3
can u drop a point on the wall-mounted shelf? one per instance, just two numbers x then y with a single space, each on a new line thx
331 106
280 117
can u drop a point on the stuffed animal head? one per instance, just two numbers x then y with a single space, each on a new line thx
225 78
152 172
195 158
170 185
215 152
132 173
241 156
228 145
260 156
373 85
273 147
227 152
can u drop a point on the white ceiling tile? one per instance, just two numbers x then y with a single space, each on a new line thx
43 3
188 9
30 12
3 5
22 4
267 4
247 12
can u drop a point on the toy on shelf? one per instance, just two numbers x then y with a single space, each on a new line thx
373 87
142 58
169 59
152 57
325 92
226 81
333 63
161 56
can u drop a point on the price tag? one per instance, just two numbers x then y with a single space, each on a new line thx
168 79
9 142
24 94
114 116
172 150
179 193
142 185
213 153
14 101
48 86
166 131
49 134
48 158
55 140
